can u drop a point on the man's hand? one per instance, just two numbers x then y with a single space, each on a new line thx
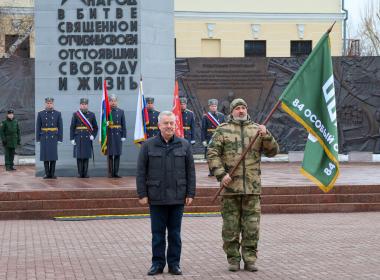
189 201
262 130
204 143
143 201
226 180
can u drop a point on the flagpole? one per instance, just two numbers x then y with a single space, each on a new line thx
231 173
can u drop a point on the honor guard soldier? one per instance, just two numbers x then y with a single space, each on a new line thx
152 128
117 134
210 121
10 137
188 121
83 131
49 133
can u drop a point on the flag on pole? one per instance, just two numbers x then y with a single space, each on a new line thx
105 119
177 112
142 117
310 99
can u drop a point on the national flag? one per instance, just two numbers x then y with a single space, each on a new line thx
310 99
105 119
142 117
177 112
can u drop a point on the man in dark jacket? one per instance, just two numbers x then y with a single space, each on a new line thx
10 137
49 133
166 180
116 136
83 130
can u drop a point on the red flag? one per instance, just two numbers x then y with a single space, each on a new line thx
177 112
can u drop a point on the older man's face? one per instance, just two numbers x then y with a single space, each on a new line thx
167 126
239 112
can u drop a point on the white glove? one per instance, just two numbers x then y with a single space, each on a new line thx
192 142
59 142
204 143
73 142
91 137
123 139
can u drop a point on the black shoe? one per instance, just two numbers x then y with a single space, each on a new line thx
12 168
46 177
117 176
175 270
210 175
155 269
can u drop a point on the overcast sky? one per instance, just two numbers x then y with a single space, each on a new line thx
355 10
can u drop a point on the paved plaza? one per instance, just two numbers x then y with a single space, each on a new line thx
309 246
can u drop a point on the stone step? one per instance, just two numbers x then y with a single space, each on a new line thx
201 192
320 208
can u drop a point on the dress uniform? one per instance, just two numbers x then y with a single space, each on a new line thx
116 136
152 128
210 121
188 121
83 131
10 137
49 132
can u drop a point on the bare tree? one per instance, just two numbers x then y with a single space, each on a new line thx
369 31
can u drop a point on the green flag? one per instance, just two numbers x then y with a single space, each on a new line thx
310 99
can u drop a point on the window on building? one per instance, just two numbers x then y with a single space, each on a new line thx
255 48
298 48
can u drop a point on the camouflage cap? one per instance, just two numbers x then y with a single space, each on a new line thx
113 97
83 101
212 102
183 100
237 102
49 99
149 100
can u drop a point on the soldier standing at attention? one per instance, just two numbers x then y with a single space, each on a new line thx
241 197
116 136
188 121
49 133
10 137
83 131
210 121
152 127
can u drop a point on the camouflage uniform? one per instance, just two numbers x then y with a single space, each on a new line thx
241 198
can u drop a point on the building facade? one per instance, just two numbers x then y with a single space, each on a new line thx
272 28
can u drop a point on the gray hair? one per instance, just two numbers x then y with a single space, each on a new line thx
166 113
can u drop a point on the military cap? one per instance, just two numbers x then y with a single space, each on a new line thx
10 111
237 102
183 100
149 99
113 97
83 101
49 99
212 102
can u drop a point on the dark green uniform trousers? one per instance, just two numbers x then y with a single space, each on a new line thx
9 154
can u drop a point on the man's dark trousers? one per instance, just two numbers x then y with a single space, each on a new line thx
9 155
164 217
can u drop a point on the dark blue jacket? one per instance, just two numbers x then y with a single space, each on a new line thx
117 130
165 171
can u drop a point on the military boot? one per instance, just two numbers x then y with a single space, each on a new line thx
234 267
250 267
116 164
52 170
46 167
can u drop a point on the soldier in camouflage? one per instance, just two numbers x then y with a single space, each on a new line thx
241 196
10 137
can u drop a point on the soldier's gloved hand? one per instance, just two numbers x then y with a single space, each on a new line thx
192 142
73 142
123 139
204 143
91 137
59 142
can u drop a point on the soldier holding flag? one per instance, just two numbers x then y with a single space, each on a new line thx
83 131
